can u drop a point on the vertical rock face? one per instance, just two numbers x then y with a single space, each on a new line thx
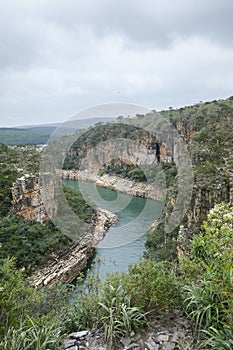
130 151
26 199
203 200
127 143
104 153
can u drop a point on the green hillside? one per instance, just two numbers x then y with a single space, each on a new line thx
13 136
40 134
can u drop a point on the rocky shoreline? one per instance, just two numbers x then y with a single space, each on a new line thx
116 183
67 266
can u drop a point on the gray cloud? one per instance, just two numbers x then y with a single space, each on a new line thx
57 57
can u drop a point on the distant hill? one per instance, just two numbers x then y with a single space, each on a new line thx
14 136
40 134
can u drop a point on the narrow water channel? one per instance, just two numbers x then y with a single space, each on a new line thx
124 241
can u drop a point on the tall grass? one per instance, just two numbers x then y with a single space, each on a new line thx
32 335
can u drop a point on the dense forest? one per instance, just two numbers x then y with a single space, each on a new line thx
189 269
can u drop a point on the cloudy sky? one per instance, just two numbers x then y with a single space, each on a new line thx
58 57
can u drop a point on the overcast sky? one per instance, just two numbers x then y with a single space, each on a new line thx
58 57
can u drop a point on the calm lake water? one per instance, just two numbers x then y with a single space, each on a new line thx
124 241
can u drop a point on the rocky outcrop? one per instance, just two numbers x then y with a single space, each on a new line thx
26 199
67 266
165 332
118 184
137 153
125 141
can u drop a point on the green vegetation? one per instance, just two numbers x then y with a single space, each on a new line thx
13 136
161 246
100 133
78 204
165 171
35 335
29 318
123 169
208 130
208 270
41 317
29 242
125 302
33 244
38 135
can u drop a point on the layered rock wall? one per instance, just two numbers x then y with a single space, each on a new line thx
26 199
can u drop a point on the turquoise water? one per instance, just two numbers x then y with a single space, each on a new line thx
124 241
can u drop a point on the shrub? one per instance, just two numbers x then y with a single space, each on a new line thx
208 297
149 285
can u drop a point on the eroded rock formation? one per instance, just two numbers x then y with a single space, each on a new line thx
26 199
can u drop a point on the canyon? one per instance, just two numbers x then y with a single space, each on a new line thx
65 267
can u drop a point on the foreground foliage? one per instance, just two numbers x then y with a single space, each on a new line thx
125 302
33 319
208 269
36 335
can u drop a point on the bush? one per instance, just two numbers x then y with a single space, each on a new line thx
219 339
209 294
152 286
16 299
23 309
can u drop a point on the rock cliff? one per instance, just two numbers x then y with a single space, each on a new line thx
26 199
104 143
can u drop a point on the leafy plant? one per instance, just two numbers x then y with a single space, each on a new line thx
150 285
208 299
219 339
119 318
202 304
32 335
